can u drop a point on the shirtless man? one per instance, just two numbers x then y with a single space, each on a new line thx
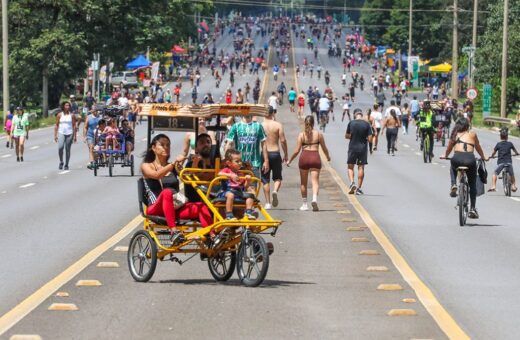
275 138
133 112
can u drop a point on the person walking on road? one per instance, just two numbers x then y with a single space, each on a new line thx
391 124
91 123
7 127
65 133
301 104
249 138
273 103
360 134
275 139
19 132
309 142
291 96
377 117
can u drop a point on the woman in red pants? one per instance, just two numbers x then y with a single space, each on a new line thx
161 183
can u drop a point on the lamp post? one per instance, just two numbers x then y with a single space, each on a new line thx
503 87
5 57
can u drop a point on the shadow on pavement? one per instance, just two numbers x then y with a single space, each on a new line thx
235 282
483 225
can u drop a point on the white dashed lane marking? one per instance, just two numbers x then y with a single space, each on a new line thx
63 172
5 156
26 185
515 199
35 147
406 145
418 153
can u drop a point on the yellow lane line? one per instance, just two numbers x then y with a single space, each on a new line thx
264 81
16 314
425 295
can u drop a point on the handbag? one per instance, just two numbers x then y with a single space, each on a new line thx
179 200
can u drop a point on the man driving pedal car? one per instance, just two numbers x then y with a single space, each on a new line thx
202 159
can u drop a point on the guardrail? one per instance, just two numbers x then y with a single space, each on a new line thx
499 120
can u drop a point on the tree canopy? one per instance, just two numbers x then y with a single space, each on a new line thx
58 37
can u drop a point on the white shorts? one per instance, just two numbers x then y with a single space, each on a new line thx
346 107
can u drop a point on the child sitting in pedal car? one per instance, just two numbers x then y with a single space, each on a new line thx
236 187
99 136
112 134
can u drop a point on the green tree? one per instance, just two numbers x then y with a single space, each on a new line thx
489 53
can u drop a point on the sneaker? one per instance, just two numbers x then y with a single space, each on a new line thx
453 191
250 216
352 188
21 159
315 206
66 167
61 166
359 191
304 207
473 213
17 159
7 145
275 199
268 206
231 218
176 237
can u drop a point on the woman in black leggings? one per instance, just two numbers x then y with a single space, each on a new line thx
392 125
464 142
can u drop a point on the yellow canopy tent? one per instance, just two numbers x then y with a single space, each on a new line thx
444 67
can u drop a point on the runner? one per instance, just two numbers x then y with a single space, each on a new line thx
275 138
360 134
7 127
291 96
19 132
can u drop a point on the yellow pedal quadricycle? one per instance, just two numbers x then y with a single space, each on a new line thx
237 243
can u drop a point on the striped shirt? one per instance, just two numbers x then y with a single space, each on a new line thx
248 138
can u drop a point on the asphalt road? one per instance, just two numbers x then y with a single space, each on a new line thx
318 286
472 270
51 218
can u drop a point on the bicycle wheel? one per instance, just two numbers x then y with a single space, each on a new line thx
426 149
463 202
253 260
506 180
222 265
142 256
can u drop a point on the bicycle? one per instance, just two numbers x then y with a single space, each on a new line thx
506 180
324 119
463 193
426 142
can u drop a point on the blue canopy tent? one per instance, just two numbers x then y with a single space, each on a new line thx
138 62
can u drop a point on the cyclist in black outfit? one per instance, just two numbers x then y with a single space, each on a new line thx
464 143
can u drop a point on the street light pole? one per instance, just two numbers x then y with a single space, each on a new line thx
410 40
503 89
455 54
474 41
5 57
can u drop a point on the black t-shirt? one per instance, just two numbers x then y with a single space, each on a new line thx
504 151
359 130
89 102
189 191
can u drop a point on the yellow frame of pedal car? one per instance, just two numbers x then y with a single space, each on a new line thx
194 234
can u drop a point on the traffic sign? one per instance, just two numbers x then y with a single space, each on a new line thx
472 93
486 100
468 49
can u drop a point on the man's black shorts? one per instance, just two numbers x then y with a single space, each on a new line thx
275 166
357 157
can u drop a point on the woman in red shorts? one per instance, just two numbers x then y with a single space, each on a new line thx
309 142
